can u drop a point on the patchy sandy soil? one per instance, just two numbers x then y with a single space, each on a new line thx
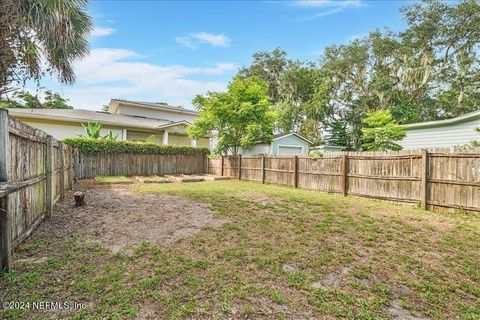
259 198
119 218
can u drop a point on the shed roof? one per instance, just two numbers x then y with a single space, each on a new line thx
284 135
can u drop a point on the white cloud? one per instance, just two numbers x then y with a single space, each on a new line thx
100 32
192 40
327 3
324 8
186 41
216 40
117 73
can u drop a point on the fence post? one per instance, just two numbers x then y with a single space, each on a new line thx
5 240
206 164
295 171
424 185
4 145
71 170
77 167
263 168
222 167
49 174
61 152
239 167
344 173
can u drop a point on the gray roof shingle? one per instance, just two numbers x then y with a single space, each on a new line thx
79 115
162 105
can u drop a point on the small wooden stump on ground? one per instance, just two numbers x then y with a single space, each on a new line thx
79 198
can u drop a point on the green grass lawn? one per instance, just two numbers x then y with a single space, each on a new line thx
283 253
111 179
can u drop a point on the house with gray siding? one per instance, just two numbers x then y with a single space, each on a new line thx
282 144
442 133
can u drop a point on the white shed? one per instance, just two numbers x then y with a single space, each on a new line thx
442 133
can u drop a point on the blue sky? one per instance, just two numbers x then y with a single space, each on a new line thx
171 51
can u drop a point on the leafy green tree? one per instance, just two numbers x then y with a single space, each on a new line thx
291 84
24 99
56 30
241 116
299 84
382 132
269 67
337 134
54 100
428 71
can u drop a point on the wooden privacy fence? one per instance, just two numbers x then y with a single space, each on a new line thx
436 178
130 164
35 171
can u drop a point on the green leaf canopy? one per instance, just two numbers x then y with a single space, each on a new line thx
241 116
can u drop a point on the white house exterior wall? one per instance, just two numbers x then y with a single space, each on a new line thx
62 130
442 136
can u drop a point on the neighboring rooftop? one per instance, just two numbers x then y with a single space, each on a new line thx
437 123
79 115
282 135
156 105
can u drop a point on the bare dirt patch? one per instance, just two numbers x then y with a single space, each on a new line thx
396 310
119 218
257 197
336 278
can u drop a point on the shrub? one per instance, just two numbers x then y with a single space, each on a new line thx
95 146
316 154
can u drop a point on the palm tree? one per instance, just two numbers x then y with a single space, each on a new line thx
33 31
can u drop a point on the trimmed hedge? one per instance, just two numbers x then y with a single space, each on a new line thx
96 146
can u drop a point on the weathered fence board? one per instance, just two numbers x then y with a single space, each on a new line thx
454 181
26 185
320 173
215 166
129 164
437 178
251 168
230 167
394 177
279 170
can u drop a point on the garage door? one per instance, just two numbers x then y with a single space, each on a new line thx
289 150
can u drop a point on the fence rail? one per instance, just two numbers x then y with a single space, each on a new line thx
436 178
